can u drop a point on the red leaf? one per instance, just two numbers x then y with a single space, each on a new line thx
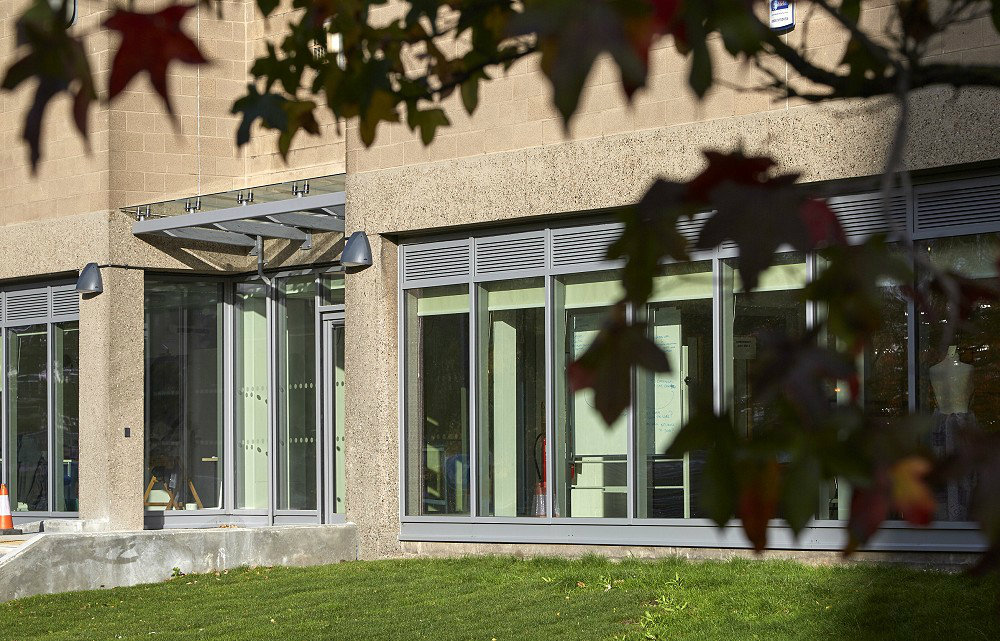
822 223
580 376
606 366
734 167
910 493
869 507
667 18
759 503
150 42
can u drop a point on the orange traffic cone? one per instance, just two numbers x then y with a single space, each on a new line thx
6 520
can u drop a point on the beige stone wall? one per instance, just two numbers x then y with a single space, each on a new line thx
154 160
70 179
321 155
137 154
515 110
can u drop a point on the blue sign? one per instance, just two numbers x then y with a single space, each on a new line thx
782 14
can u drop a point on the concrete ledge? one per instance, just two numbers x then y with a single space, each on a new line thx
436 549
64 562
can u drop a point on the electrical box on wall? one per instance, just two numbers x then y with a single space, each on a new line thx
782 15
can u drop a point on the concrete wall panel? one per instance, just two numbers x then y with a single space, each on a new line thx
823 143
111 401
371 435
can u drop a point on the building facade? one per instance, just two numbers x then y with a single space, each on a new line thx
234 371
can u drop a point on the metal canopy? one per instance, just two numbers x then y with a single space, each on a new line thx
294 219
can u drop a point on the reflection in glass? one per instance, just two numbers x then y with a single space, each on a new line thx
437 400
331 288
184 416
27 417
297 419
884 389
251 406
591 475
748 317
679 317
511 325
66 405
338 382
959 364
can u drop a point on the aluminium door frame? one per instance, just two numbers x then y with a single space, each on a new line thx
330 321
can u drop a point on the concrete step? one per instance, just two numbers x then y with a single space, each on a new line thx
10 543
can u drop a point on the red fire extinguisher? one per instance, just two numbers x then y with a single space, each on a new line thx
539 503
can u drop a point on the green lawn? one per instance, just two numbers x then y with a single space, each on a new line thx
507 599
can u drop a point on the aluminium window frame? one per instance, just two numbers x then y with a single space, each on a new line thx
228 514
50 318
827 534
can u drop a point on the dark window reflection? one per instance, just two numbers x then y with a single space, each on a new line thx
27 417
437 455
959 363
184 396
775 307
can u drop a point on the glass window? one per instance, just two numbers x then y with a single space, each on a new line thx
28 417
297 415
251 406
437 400
331 287
679 318
184 416
591 476
775 306
959 364
511 325
884 390
66 405
338 382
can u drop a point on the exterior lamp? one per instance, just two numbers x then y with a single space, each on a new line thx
90 281
357 252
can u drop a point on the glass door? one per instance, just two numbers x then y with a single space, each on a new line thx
333 415
297 465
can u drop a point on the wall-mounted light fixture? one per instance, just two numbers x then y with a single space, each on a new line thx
357 251
90 281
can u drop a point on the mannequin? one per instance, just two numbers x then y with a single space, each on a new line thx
951 380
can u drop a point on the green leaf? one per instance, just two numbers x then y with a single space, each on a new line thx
852 287
381 107
300 116
851 9
705 430
267 107
267 7
650 235
700 77
719 486
57 60
571 34
427 121
470 94
799 491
